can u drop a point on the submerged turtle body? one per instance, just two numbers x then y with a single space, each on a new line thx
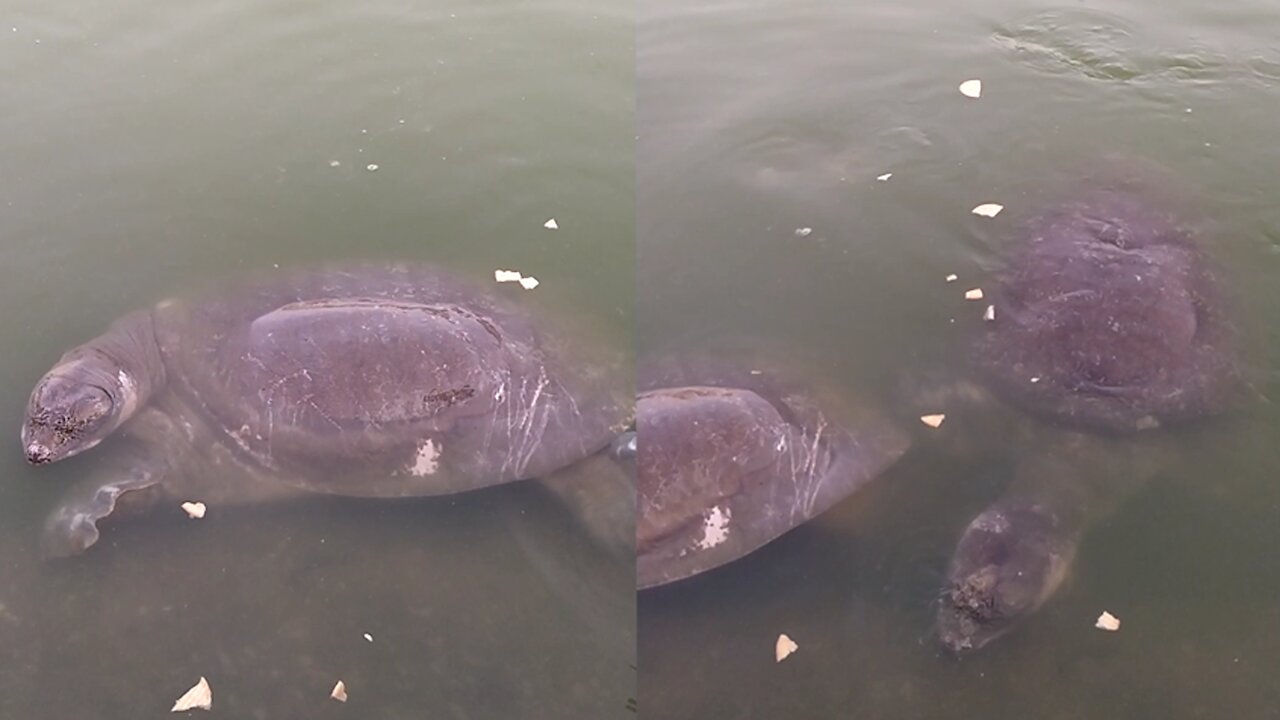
1108 319
1107 325
369 381
600 494
732 455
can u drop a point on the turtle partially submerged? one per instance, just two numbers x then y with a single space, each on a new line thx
1108 326
375 381
733 453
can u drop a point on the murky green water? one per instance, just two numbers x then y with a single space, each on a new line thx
757 119
712 167
149 147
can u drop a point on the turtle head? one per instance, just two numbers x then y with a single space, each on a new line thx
1009 561
92 390
75 406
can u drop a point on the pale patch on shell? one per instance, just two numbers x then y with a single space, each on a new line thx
1107 621
934 420
339 692
129 390
784 647
199 696
195 510
715 528
427 460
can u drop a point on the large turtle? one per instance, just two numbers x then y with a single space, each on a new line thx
733 452
374 380
1107 327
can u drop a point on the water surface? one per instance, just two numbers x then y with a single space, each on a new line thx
151 147
763 127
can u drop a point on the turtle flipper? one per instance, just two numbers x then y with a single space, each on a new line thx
72 527
600 491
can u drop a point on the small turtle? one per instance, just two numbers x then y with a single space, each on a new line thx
733 453
376 381
1107 325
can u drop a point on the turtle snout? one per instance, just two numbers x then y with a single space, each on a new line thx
955 632
38 453
39 442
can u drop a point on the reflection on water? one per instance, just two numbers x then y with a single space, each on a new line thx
151 148
758 120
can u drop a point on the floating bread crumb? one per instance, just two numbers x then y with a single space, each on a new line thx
784 647
934 420
199 696
971 88
339 692
528 282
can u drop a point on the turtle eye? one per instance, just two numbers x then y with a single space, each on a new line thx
71 407
90 406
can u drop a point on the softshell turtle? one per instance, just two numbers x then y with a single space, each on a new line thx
733 452
374 380
1107 326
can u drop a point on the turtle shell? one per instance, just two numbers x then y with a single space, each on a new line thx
388 381
733 455
1107 317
